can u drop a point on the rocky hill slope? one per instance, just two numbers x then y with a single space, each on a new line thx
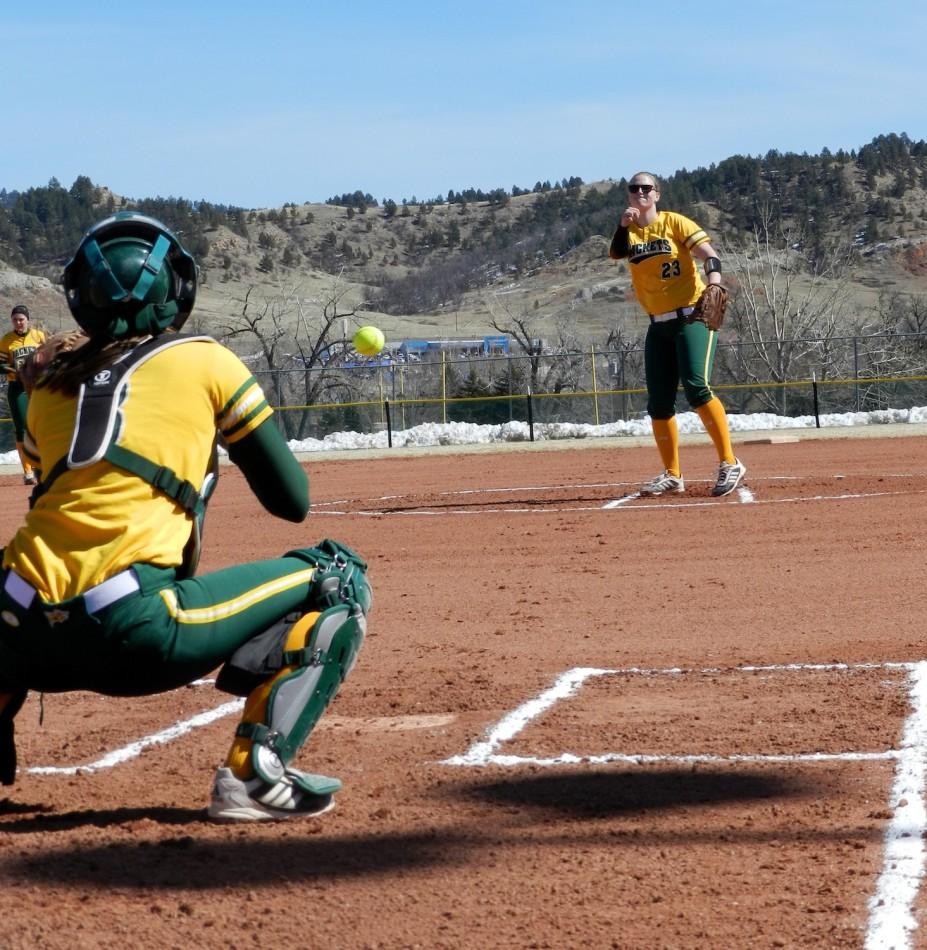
465 265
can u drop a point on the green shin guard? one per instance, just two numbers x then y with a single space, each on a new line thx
299 697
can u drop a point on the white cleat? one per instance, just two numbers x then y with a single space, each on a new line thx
235 799
730 475
664 484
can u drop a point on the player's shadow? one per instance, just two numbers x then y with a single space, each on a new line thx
186 862
629 792
10 807
44 818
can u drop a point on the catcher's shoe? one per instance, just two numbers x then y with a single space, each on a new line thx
29 478
664 484
730 475
234 799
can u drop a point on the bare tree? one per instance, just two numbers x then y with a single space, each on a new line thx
262 322
895 343
321 351
302 345
522 327
625 352
555 365
901 313
568 366
788 309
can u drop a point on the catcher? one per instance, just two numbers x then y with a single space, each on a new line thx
661 248
98 589
15 347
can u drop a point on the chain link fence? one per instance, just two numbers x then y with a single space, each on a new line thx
782 377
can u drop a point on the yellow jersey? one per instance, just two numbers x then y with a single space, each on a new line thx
663 269
15 348
97 520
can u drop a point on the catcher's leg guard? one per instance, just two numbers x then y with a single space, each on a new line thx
340 576
319 652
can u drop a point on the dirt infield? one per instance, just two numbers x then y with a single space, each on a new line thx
581 719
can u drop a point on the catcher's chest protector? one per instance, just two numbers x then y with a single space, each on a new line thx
98 401
97 427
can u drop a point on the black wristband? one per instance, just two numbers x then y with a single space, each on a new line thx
712 266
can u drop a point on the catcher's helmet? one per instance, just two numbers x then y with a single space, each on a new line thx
130 275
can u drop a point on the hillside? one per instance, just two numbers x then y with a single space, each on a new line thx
454 265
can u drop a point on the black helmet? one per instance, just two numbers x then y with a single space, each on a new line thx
130 275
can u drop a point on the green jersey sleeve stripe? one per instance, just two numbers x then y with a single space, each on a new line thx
242 389
247 400
245 421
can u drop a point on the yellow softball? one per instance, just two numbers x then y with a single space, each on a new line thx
368 341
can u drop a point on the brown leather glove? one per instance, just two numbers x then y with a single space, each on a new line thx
37 363
710 307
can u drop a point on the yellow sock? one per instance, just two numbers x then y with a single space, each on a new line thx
239 757
714 419
666 433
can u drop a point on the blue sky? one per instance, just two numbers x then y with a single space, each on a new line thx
258 104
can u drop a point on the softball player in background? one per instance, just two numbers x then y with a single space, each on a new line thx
15 346
98 591
661 248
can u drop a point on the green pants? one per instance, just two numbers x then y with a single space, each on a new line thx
674 352
165 635
19 402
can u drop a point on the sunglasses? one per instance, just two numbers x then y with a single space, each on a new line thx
646 189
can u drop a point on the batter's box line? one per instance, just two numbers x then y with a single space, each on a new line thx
568 684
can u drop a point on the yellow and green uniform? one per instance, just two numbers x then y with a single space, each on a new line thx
176 402
14 348
667 282
100 524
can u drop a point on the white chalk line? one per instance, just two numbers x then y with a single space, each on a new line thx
891 908
632 758
570 682
134 749
617 502
509 726
745 496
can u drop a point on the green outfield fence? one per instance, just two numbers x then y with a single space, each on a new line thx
808 397
800 377
806 377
